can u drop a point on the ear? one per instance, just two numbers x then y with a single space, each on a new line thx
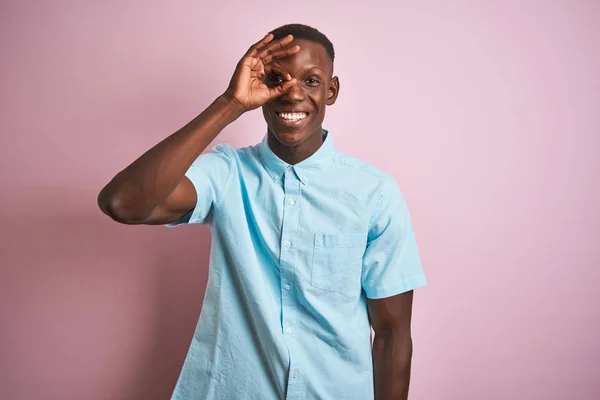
332 91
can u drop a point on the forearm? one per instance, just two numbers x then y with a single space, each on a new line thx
137 190
392 356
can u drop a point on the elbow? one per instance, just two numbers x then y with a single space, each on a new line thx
399 337
399 345
118 209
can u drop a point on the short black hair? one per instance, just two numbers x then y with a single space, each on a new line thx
300 31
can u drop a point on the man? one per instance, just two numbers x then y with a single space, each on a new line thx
310 246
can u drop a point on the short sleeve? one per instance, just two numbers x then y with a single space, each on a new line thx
391 262
209 174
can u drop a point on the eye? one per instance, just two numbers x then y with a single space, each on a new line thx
312 81
273 80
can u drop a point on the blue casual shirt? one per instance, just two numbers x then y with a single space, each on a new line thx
296 251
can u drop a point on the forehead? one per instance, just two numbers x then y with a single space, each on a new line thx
311 54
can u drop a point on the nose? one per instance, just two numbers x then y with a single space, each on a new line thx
295 94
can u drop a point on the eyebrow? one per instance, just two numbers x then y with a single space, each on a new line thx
312 67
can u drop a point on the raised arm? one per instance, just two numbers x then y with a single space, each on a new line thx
154 189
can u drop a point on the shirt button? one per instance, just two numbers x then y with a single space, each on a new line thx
287 287
288 330
291 202
288 243
295 374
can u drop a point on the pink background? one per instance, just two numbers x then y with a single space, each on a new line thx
487 113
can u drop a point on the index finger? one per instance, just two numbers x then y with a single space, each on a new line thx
267 45
276 45
262 42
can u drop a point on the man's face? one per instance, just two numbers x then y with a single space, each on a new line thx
298 114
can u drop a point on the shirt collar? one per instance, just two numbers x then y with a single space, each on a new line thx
307 169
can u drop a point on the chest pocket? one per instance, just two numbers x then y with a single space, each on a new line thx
337 262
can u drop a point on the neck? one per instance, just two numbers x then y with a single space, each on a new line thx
298 152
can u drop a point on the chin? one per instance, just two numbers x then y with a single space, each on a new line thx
290 137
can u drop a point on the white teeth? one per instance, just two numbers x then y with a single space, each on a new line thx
292 116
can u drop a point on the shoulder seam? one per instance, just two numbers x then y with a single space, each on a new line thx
370 169
377 205
227 150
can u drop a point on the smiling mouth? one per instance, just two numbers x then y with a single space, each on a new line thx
292 116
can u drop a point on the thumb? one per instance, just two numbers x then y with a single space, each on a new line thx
282 89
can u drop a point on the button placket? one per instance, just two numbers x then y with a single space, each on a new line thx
288 259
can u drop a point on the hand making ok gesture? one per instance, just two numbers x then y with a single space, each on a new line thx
247 86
